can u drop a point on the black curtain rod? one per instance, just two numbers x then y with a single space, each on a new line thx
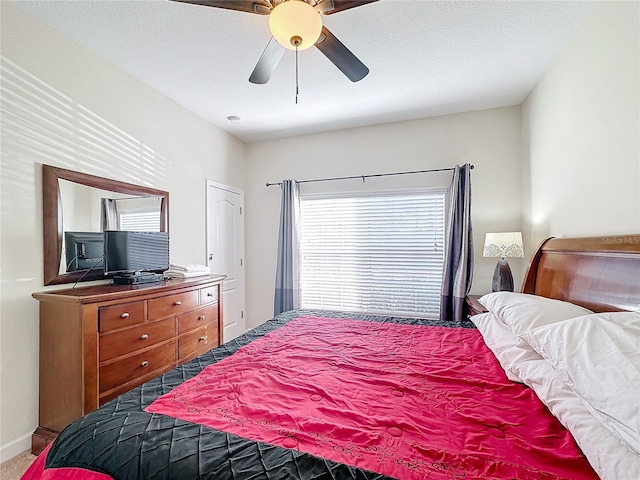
370 176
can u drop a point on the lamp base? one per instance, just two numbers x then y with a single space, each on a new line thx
502 278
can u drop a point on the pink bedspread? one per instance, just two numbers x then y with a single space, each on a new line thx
411 402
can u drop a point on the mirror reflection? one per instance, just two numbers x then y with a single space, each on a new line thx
89 211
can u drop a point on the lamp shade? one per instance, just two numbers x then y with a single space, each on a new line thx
295 23
503 244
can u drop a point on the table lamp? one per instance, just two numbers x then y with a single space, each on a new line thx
503 244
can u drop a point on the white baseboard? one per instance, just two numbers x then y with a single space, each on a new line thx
16 447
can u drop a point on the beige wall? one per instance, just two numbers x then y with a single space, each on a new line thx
64 106
489 139
581 123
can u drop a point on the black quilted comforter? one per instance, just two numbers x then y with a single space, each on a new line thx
120 439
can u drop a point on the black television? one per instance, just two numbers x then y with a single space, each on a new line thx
83 250
134 257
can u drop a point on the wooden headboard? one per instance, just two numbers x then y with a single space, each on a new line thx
599 273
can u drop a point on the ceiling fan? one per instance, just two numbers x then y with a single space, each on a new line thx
296 25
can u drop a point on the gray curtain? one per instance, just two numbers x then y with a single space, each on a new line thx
458 256
109 214
286 294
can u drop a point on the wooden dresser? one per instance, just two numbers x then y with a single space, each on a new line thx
100 341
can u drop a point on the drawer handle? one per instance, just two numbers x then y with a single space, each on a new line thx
177 303
210 294
201 317
124 315
144 336
203 338
144 364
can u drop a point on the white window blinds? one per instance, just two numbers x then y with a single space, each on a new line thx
140 221
141 214
378 254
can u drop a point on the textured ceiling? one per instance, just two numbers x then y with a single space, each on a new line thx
425 58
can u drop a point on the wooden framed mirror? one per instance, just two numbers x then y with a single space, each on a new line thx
73 202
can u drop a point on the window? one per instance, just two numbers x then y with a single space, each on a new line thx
141 214
379 253
140 221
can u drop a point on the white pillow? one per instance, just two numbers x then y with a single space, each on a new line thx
522 312
598 356
502 342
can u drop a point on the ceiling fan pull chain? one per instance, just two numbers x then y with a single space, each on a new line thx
296 74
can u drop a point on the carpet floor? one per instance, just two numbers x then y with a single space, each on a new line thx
14 468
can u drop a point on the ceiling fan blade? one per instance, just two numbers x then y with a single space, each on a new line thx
328 7
268 62
341 56
261 7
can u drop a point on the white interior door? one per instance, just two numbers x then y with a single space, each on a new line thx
225 252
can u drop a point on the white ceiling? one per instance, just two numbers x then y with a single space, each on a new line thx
425 58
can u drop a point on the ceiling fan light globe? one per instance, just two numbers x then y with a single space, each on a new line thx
295 18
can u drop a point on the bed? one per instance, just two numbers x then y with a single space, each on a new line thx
346 396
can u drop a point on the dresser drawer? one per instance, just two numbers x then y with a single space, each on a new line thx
172 304
209 295
189 321
119 343
198 341
190 344
121 315
122 371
